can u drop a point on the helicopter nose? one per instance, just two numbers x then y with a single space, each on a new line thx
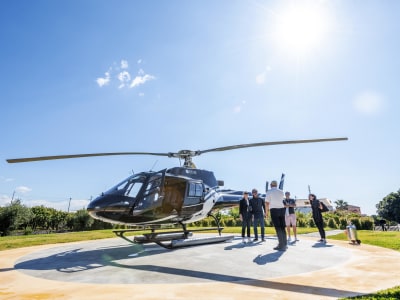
110 203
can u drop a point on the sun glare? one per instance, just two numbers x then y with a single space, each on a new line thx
301 28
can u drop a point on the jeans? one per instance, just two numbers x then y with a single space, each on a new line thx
259 220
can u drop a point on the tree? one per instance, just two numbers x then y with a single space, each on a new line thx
41 217
82 220
14 216
341 204
389 207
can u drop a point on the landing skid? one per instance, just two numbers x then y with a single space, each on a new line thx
173 239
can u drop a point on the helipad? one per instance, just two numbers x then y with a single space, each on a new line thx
113 268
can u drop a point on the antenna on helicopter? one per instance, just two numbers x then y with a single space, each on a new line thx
282 181
151 169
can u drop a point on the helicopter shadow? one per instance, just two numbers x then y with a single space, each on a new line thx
78 260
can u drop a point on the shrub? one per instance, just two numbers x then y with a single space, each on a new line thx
230 222
343 223
332 223
205 222
367 223
28 230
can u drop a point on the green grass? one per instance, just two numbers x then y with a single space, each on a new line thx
13 242
386 239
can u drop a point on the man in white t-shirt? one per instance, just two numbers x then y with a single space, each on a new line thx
274 202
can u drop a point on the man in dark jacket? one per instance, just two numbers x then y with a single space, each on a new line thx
258 210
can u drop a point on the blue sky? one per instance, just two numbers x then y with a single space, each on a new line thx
161 76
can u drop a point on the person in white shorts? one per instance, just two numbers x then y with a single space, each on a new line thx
290 216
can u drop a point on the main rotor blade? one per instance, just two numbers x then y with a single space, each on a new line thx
271 143
39 158
181 154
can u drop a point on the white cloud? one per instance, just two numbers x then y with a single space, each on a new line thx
102 81
368 103
124 64
123 76
138 80
23 190
74 205
4 179
4 200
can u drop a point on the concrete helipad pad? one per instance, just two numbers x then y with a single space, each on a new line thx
113 268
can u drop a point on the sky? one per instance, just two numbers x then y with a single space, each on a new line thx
88 76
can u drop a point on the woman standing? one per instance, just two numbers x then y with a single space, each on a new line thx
316 207
245 216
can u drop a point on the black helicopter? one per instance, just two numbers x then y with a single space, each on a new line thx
178 195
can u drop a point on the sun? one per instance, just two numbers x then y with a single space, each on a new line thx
301 28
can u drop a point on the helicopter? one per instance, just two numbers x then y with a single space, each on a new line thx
174 196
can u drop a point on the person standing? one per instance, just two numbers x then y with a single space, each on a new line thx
290 216
245 216
257 205
383 224
274 201
316 207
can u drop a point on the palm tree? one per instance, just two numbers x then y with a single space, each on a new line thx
341 204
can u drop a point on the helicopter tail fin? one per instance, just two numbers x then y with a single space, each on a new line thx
282 181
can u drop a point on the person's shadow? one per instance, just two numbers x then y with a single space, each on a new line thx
321 245
268 258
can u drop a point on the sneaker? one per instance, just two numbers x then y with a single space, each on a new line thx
296 239
263 240
243 241
321 240
255 240
324 241
249 240
289 239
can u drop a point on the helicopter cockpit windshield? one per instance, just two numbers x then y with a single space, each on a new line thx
130 187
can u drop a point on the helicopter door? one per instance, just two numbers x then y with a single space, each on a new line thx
151 192
194 197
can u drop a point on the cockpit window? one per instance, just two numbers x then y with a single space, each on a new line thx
133 189
129 187
195 189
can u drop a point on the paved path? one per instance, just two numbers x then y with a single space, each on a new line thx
113 269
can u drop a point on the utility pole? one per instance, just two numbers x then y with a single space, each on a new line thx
69 204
